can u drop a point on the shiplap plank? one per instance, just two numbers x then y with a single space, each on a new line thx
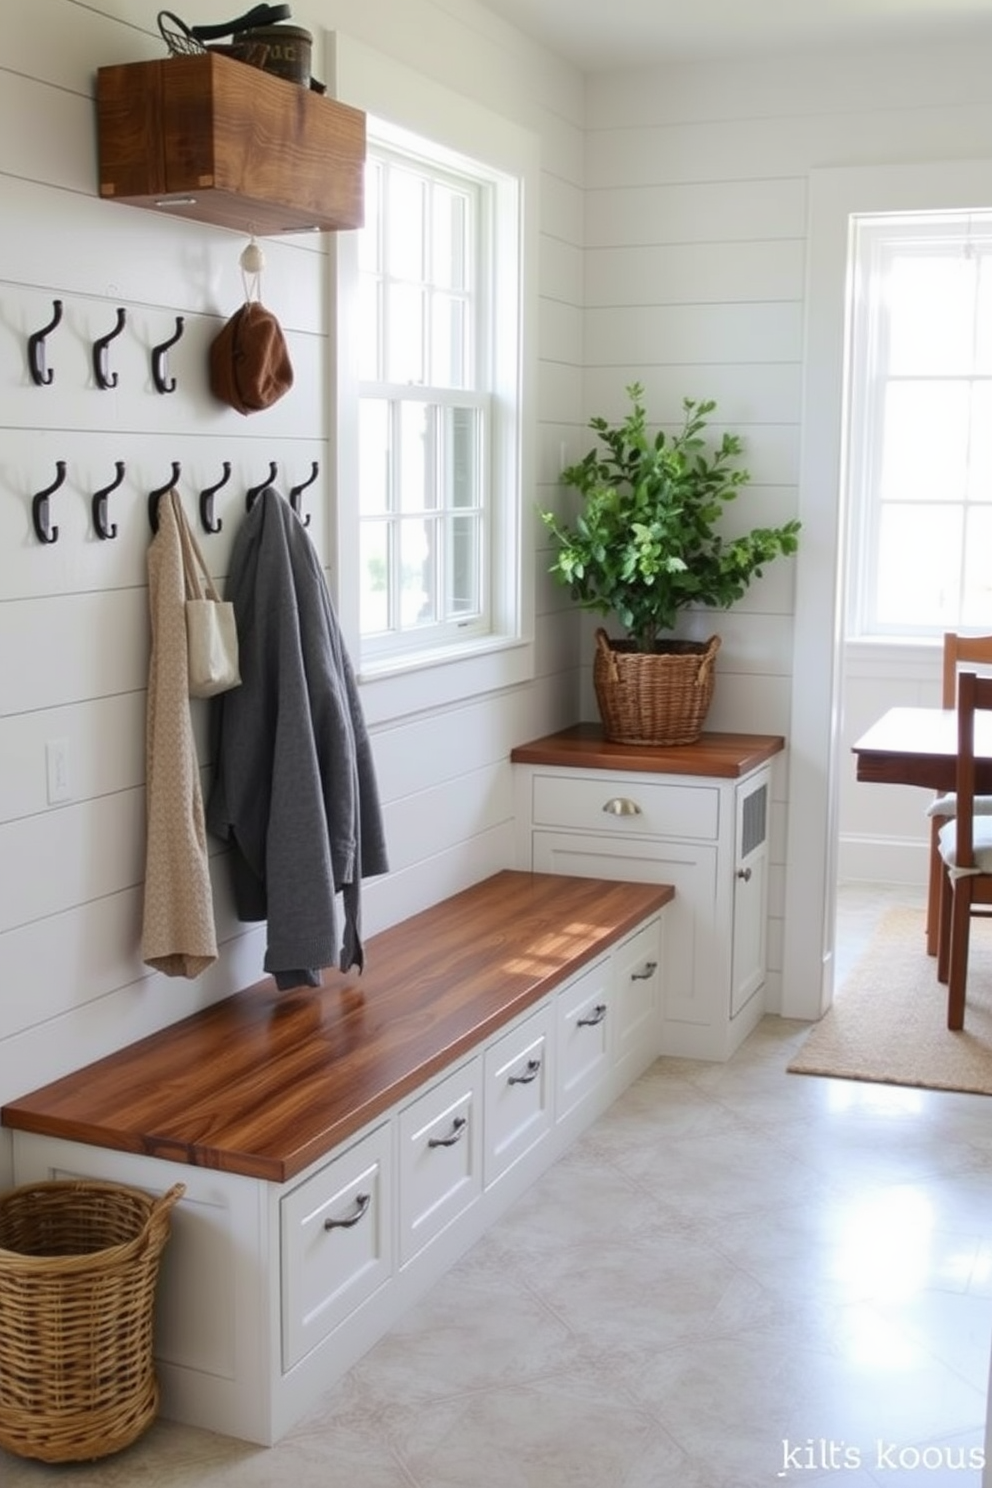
746 394
697 273
164 265
748 149
695 334
134 405
696 212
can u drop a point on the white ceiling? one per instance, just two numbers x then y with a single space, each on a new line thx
602 34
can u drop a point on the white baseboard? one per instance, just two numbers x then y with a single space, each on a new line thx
886 860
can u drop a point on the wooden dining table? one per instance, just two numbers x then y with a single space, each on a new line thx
919 746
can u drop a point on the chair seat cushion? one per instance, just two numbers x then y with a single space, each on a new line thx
948 805
982 835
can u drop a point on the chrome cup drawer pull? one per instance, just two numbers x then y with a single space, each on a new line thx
650 967
531 1073
362 1202
622 806
596 1016
458 1128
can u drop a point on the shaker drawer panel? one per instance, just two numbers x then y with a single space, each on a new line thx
637 969
624 805
583 1036
519 1108
440 1156
336 1243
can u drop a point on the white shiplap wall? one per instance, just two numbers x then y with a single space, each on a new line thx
73 615
696 208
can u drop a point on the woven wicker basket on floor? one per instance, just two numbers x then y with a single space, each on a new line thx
78 1267
658 698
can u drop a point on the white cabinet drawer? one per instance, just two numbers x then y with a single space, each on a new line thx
637 971
519 1108
336 1243
583 1035
633 807
440 1156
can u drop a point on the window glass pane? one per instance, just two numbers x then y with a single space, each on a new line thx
373 456
931 304
925 449
416 486
980 443
976 603
406 211
461 457
449 257
448 342
374 572
918 569
405 334
418 585
983 316
464 588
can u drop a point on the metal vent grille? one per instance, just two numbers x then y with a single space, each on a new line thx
754 820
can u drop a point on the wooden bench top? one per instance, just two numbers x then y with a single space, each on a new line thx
266 1082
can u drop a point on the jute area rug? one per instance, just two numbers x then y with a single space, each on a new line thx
889 1019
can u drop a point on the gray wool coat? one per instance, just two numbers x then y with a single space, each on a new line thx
294 792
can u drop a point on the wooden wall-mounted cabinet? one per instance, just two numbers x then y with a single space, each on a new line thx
213 139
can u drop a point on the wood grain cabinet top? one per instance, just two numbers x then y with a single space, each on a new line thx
213 139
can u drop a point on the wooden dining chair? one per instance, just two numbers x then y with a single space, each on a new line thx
965 842
957 649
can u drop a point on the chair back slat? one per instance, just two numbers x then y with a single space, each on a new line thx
974 694
958 649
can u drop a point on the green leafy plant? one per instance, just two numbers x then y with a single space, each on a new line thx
645 544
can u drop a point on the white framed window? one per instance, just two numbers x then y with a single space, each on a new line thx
435 303
920 424
429 399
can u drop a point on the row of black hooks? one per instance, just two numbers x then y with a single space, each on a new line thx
46 532
43 375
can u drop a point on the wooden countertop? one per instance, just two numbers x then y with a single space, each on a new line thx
266 1082
583 747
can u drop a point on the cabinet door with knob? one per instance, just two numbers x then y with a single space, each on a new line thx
707 836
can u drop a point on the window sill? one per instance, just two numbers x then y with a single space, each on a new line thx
403 686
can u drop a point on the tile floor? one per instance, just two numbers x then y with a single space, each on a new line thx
737 1278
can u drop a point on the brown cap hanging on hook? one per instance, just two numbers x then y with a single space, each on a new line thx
249 361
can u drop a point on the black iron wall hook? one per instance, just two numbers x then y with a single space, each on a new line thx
207 502
159 362
153 496
254 492
296 491
39 507
41 375
99 503
104 379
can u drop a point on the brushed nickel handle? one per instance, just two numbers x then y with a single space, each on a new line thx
745 874
622 806
532 1071
597 1015
458 1128
650 967
362 1202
